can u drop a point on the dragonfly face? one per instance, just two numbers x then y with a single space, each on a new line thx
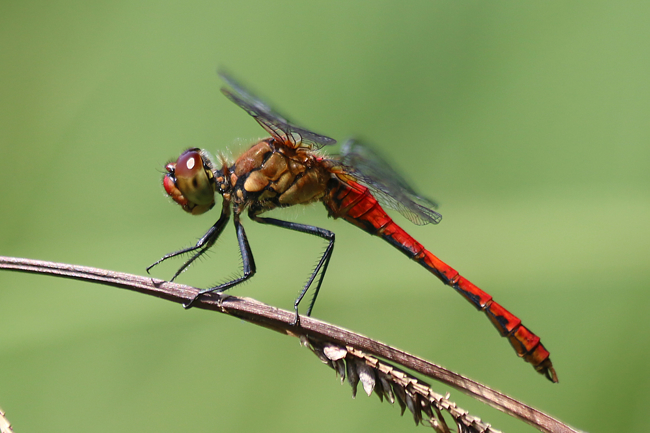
190 181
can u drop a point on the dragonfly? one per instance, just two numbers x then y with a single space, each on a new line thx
289 168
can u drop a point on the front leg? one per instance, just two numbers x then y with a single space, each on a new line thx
203 244
247 260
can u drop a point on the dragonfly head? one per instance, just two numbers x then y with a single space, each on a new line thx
190 181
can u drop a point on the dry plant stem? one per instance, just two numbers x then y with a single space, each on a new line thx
280 320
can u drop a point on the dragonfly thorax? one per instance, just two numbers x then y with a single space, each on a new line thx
271 174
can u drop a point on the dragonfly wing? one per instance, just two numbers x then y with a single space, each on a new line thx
275 124
390 188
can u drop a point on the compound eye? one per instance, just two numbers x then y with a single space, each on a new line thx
189 164
194 180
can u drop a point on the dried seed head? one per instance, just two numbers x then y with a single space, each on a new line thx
386 380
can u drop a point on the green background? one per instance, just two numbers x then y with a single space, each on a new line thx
527 122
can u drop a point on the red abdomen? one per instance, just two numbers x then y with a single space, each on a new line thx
354 203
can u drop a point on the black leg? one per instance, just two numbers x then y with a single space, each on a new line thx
247 260
203 244
322 264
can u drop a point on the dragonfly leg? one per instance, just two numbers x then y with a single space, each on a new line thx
203 244
320 267
247 261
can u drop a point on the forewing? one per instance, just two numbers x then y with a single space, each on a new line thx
275 124
387 185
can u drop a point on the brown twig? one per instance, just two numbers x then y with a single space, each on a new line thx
280 320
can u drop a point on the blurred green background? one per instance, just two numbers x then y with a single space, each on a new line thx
528 123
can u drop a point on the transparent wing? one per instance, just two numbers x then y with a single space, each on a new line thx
388 186
275 124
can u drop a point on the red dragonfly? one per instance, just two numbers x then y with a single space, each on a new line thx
287 169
